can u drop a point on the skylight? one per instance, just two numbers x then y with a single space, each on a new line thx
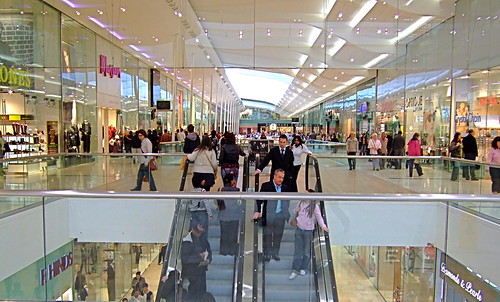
259 85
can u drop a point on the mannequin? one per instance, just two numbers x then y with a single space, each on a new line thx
86 131
73 139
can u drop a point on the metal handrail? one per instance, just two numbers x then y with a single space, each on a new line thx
385 197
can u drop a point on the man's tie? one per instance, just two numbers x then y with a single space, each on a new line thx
282 153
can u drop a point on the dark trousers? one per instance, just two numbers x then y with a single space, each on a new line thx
302 253
398 152
469 171
228 237
163 250
293 181
351 161
111 290
197 285
454 170
495 180
273 232
86 143
417 167
145 171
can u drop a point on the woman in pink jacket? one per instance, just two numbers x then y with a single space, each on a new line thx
414 149
307 214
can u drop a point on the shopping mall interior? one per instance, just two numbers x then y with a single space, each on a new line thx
79 78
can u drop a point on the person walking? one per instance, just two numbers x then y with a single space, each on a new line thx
352 149
144 170
414 149
363 144
384 142
205 162
307 214
374 145
274 213
136 145
470 152
298 148
455 149
229 156
494 158
398 148
281 157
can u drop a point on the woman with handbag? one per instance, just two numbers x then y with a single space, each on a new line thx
307 214
298 148
205 162
229 156
374 145
414 149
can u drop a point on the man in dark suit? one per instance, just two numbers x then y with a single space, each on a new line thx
274 214
281 157
470 152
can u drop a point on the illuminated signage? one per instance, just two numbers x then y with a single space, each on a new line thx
55 268
14 76
106 69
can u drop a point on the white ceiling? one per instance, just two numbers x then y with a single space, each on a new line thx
313 41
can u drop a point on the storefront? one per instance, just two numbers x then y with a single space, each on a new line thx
457 283
47 279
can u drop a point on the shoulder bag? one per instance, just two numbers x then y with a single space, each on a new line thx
214 168
152 164
183 162
293 222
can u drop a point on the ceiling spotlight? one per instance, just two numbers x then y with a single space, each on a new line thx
268 32
99 12
122 9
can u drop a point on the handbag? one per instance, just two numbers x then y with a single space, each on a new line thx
293 222
152 164
183 162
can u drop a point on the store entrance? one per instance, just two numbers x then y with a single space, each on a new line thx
110 135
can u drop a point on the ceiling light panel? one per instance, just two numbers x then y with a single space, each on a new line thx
362 12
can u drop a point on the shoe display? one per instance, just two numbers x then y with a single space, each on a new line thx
292 276
302 272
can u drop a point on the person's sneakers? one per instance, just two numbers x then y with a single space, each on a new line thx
135 189
302 272
276 258
293 275
475 179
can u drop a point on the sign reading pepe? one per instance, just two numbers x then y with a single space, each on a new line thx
106 69
465 281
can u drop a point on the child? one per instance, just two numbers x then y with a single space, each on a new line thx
230 212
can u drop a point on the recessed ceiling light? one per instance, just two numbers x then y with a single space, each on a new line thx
99 12
122 9
77 13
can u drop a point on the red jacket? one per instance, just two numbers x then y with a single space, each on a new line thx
414 148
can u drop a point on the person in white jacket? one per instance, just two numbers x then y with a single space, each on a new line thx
144 170
205 162
298 148
374 145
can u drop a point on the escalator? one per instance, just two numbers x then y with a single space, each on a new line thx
224 272
319 282
268 281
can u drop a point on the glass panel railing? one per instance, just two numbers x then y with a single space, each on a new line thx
72 234
72 171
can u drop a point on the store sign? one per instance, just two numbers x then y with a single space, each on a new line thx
56 268
466 282
415 103
471 118
106 69
14 76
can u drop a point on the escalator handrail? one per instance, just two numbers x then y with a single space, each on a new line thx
319 189
184 175
255 276
239 260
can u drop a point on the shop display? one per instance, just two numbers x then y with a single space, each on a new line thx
22 145
72 138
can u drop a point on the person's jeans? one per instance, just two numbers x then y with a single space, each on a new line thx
375 162
302 253
417 167
495 180
454 171
351 161
145 171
